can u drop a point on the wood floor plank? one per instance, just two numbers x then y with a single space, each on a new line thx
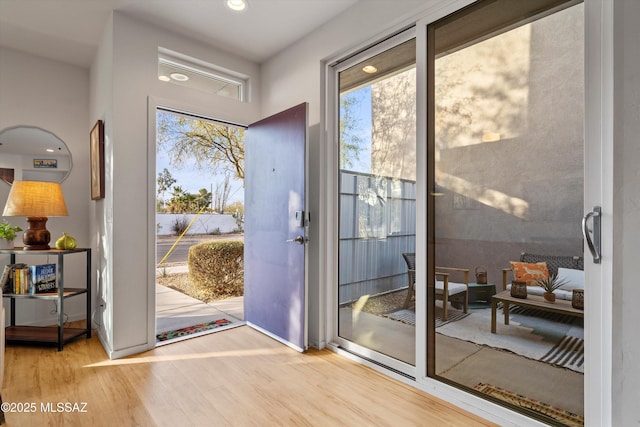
237 377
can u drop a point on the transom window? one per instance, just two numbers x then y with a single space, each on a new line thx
176 68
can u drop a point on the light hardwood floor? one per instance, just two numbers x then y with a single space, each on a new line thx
236 377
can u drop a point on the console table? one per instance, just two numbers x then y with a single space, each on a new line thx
57 334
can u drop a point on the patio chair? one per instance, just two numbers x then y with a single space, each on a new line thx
445 289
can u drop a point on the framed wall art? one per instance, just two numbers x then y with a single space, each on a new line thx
45 163
97 160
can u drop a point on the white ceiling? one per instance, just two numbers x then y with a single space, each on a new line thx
70 30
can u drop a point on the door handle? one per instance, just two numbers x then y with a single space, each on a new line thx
298 239
594 245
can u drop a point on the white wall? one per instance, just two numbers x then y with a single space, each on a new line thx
54 96
101 89
125 219
203 224
294 76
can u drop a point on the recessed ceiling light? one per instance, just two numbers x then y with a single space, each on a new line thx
370 69
164 78
179 77
236 5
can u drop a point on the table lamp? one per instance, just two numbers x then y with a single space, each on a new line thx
37 200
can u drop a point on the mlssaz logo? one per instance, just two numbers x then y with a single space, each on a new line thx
63 407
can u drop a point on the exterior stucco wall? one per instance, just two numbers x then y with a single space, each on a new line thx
509 136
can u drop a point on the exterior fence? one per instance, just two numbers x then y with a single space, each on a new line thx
204 224
377 224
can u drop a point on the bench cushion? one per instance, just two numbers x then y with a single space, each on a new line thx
574 279
454 288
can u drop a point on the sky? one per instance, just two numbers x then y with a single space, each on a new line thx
361 111
192 179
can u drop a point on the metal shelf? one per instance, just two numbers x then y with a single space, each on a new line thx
57 334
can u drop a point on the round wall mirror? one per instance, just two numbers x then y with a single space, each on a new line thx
29 153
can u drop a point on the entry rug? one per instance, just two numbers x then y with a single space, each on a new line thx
409 316
565 417
177 333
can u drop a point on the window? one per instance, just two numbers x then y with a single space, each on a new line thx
183 70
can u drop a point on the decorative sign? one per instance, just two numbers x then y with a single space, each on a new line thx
45 163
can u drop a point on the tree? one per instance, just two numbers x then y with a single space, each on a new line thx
203 199
179 200
235 207
350 140
221 195
165 181
208 144
183 202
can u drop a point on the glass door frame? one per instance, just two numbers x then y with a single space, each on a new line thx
483 15
333 96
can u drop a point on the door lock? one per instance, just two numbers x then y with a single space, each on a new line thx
302 219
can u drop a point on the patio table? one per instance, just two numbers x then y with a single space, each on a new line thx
532 301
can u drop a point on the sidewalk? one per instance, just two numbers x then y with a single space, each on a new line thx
175 310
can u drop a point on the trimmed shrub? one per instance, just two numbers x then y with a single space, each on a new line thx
216 269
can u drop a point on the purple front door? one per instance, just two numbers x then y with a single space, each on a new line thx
275 297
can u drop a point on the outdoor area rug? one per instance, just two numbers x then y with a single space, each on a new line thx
178 333
565 417
555 339
409 316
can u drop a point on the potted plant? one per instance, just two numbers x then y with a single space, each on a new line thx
7 234
549 285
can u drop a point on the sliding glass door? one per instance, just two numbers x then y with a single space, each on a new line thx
493 169
376 193
506 177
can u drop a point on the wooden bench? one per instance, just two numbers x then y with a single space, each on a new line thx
553 263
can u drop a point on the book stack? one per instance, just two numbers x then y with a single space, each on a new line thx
11 277
43 278
20 279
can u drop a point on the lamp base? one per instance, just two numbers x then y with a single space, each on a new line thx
36 237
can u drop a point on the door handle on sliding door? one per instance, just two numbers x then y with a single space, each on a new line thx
595 244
